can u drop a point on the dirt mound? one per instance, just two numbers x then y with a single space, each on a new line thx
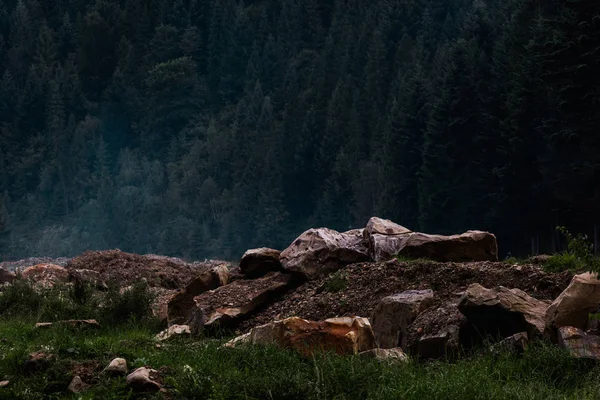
126 268
361 286
30 262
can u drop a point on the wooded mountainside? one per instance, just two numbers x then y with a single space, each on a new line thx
201 128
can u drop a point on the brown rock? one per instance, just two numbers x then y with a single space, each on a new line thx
144 380
319 252
77 385
575 303
579 343
173 331
384 238
437 333
502 312
338 335
395 354
226 305
259 262
46 275
395 313
470 246
6 276
181 307
118 366
384 227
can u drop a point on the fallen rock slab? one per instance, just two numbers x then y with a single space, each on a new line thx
259 262
575 303
502 312
118 366
395 313
143 379
320 252
469 246
338 335
174 331
579 343
390 355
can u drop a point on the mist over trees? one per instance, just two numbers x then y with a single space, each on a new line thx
201 128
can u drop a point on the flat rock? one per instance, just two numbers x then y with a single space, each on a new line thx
320 252
173 331
118 366
502 312
143 380
392 355
395 313
574 304
259 262
579 343
77 385
338 335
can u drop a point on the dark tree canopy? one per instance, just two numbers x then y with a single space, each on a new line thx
201 128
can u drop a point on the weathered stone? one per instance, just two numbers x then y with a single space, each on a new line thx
516 343
226 305
73 323
259 262
579 343
575 303
46 275
143 380
173 331
395 313
4 384
182 306
502 312
319 252
6 276
118 366
469 246
384 227
391 355
77 385
338 335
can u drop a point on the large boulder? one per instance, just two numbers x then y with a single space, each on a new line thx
227 305
259 262
319 252
385 238
6 276
181 306
469 246
46 275
579 343
395 313
575 303
503 312
339 335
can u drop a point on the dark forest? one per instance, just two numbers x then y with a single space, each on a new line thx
201 128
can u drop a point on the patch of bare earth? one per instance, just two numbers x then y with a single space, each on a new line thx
368 283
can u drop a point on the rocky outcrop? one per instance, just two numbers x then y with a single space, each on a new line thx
173 331
393 315
118 366
144 380
579 343
6 276
502 312
337 335
469 246
259 262
227 305
437 333
574 304
182 305
46 275
390 355
319 252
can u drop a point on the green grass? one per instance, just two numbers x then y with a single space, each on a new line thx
571 262
200 369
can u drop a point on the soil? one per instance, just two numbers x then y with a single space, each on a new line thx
126 268
368 283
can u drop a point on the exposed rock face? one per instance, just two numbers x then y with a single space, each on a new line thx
579 343
319 252
182 305
6 276
173 331
118 366
46 275
395 313
143 380
338 335
385 238
575 303
226 305
73 323
437 332
77 385
395 354
470 246
502 312
259 262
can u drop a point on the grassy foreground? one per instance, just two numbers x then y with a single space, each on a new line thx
199 369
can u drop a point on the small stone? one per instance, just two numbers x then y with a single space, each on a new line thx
77 385
118 366
173 331
393 355
4 384
141 380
